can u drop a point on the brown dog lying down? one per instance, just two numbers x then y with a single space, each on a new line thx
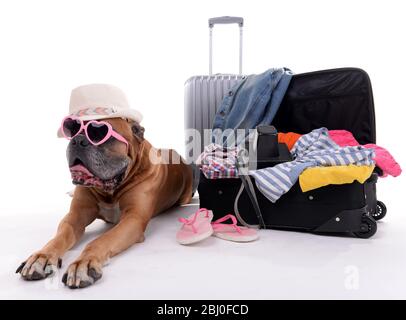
121 186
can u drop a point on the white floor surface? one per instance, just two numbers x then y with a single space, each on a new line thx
280 265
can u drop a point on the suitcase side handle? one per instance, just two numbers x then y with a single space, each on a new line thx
224 20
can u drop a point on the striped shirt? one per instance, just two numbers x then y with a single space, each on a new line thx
313 149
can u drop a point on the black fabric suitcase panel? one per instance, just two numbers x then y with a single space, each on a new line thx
294 210
335 99
218 195
305 210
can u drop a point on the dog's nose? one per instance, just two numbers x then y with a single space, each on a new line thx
80 140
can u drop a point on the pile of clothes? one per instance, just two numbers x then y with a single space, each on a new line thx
321 157
218 162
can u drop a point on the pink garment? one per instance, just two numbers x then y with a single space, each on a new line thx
383 158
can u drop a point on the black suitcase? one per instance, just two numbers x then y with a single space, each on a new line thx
335 99
345 208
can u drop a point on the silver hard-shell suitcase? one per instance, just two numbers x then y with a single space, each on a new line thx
203 95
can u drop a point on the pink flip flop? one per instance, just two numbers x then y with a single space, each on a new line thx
196 227
232 232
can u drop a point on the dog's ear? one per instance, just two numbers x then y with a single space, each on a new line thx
138 131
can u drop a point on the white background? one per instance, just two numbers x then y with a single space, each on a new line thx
149 48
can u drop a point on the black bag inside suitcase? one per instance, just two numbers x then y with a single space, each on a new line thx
335 99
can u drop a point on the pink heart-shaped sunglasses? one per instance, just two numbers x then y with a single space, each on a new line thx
97 132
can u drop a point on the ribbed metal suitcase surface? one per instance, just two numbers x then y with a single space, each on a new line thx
203 96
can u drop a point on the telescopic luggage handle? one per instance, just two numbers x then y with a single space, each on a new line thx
224 20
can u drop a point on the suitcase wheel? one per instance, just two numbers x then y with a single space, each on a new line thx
380 211
368 228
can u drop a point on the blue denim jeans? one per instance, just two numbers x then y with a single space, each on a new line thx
252 102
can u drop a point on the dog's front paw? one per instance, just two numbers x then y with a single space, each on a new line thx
82 273
39 266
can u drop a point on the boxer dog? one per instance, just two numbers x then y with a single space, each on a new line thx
124 181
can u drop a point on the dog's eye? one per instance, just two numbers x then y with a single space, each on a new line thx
97 131
71 127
